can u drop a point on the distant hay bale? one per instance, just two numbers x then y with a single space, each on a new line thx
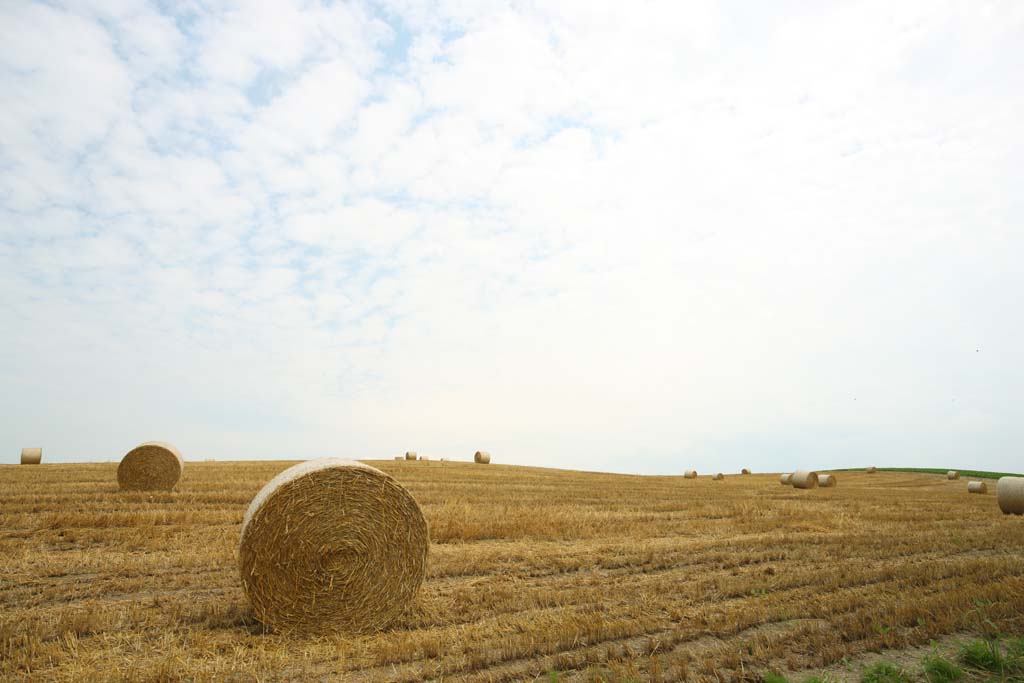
690 474
425 458
827 480
871 470
332 545
152 466
804 479
1010 495
482 457
744 471
31 456
952 474
718 477
786 479
410 455
977 487
399 457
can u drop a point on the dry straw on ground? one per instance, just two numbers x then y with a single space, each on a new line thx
152 466
786 479
410 455
744 471
31 456
690 474
718 477
804 479
1010 495
871 470
332 545
977 487
827 480
482 457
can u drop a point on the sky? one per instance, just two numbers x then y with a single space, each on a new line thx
632 237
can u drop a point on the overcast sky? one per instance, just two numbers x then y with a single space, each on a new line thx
636 237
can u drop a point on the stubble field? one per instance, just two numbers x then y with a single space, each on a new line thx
531 571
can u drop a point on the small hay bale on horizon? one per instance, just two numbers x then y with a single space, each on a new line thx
482 457
871 470
827 481
744 471
425 458
152 466
1010 495
804 479
332 545
718 477
31 456
977 487
410 455
786 478
690 474
952 475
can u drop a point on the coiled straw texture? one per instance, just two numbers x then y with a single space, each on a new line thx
410 455
786 479
952 474
690 474
332 545
977 487
804 479
152 466
31 456
482 457
827 480
1010 495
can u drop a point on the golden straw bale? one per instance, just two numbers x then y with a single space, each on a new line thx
332 545
152 466
1010 495
804 479
786 479
690 474
744 471
31 456
977 487
718 477
827 480
410 455
482 457
952 474
871 470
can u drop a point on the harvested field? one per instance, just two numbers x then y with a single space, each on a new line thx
597 576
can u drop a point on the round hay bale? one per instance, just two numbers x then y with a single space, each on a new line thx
482 457
744 471
871 470
152 466
690 474
804 479
410 455
786 479
977 487
425 458
31 456
952 474
827 480
332 545
718 477
1010 495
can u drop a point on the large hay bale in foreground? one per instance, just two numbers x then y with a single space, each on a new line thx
718 477
744 471
482 457
332 545
827 481
804 479
952 474
410 455
1010 495
977 487
31 456
152 466
690 474
871 470
786 479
